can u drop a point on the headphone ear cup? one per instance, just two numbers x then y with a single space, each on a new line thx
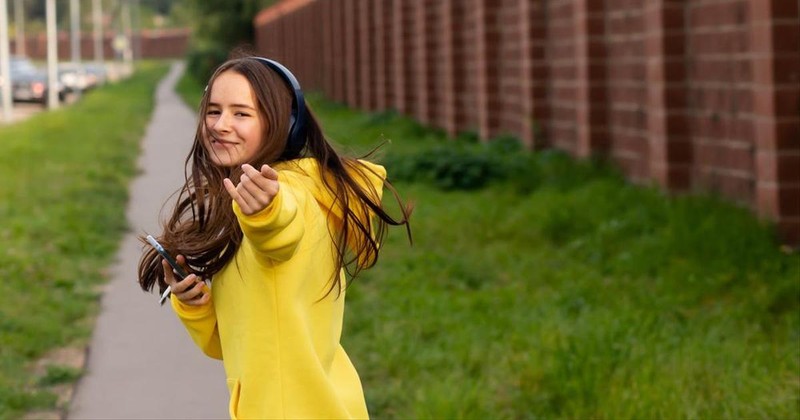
296 140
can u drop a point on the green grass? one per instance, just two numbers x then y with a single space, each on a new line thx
560 291
63 191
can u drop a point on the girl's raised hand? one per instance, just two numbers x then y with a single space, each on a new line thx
190 290
255 190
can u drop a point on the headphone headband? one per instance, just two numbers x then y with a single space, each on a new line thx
296 140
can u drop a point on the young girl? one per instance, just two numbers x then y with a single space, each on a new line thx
274 220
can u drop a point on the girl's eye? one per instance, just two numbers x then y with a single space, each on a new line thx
212 112
242 114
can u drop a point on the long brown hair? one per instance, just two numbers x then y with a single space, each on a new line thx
203 226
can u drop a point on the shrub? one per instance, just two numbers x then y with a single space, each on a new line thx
202 60
459 165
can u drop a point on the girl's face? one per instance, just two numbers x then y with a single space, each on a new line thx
234 129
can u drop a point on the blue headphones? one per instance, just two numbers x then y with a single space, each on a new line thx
297 127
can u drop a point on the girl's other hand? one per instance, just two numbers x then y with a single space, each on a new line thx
190 290
255 190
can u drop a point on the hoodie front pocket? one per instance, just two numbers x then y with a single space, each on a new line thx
234 387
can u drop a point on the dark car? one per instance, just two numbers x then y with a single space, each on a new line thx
29 83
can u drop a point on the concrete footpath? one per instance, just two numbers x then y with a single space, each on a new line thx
141 363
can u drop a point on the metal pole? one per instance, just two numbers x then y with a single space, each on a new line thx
52 55
137 24
75 40
19 27
75 30
5 67
97 19
127 52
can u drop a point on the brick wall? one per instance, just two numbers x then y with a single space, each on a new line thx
168 43
690 94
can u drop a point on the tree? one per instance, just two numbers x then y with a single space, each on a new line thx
219 26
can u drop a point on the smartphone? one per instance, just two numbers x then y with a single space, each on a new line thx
180 273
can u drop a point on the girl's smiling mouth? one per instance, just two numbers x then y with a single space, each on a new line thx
222 143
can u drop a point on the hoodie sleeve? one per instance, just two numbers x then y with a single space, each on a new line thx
201 323
276 231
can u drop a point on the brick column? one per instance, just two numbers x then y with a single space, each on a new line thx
379 49
467 15
366 55
338 63
352 71
327 47
445 70
486 50
590 85
420 59
538 75
305 17
775 49
670 146
524 11
315 44
283 47
399 62
409 29
388 38
291 43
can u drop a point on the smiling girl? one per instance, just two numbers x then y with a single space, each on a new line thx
275 221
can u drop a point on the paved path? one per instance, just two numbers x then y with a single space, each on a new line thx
141 362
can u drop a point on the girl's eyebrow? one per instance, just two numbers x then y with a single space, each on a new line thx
233 105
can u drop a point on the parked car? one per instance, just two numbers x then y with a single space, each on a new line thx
73 77
96 74
29 83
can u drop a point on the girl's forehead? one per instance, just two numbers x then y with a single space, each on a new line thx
230 86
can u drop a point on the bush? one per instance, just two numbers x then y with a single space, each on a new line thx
448 167
468 166
203 60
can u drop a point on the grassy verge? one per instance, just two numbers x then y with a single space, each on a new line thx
63 191
559 291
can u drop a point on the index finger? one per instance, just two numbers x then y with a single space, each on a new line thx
269 173
170 274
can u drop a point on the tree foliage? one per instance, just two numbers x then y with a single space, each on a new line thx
219 26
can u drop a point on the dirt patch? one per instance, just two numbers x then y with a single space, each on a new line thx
73 357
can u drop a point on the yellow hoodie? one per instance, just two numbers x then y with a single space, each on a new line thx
279 342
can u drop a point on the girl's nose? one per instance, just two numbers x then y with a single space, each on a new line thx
222 124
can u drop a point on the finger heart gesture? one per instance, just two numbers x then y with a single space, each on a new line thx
255 190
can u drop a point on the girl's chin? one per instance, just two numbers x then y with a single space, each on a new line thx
228 164
226 161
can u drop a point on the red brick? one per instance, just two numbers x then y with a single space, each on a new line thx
769 9
778 202
775 167
777 135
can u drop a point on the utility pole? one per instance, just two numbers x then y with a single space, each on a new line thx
5 67
75 41
19 27
52 55
137 29
75 30
127 52
97 19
